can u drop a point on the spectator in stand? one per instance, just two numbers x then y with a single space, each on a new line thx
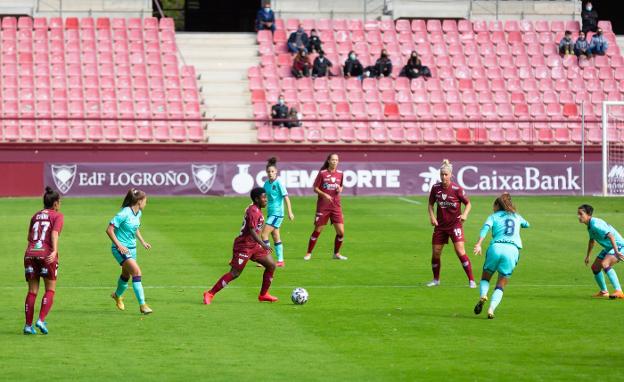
301 65
598 45
414 68
581 47
566 45
321 66
382 67
590 18
353 67
279 111
315 42
294 118
298 41
265 19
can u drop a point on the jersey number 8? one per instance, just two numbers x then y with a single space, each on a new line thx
510 227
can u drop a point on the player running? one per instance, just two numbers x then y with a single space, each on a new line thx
504 250
277 195
448 223
328 186
612 243
248 245
123 230
41 259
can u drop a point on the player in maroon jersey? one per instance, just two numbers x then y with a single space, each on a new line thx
328 186
248 245
41 259
448 221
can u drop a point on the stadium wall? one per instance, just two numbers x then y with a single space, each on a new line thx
100 170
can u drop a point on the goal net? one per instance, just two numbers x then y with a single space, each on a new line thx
613 148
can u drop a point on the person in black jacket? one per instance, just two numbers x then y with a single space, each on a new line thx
590 18
279 111
382 67
298 41
321 66
315 42
265 18
414 68
352 66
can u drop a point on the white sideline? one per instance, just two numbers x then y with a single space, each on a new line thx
410 201
444 286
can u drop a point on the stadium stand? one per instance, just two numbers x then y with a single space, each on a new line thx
79 72
493 82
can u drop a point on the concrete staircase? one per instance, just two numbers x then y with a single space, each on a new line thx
222 60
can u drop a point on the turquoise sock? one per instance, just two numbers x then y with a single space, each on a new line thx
138 289
613 278
600 280
484 286
497 296
122 285
279 251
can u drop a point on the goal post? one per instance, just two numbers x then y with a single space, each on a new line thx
613 148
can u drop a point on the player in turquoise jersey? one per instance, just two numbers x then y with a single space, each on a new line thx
504 250
277 195
612 244
123 230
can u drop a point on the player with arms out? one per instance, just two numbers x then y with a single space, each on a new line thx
504 250
328 187
41 259
277 195
248 245
448 222
612 244
123 230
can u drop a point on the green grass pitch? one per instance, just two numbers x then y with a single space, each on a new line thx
368 318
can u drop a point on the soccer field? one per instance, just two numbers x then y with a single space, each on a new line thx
369 318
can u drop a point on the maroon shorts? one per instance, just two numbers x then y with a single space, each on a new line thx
333 215
441 236
35 267
241 256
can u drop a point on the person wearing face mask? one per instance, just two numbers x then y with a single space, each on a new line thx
314 44
590 18
382 67
352 66
279 112
581 47
598 44
301 65
298 41
321 66
265 18
414 68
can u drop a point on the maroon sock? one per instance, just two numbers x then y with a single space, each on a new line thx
29 307
46 304
222 283
267 278
338 243
467 266
312 241
435 267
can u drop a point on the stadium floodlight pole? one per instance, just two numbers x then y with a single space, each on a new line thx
583 148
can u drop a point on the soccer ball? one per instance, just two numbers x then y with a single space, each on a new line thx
299 296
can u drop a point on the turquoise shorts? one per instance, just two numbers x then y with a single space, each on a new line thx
501 258
274 220
121 258
611 252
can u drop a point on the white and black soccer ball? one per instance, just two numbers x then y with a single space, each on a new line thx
299 296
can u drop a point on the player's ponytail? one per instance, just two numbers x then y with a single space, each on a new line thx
446 166
133 196
272 162
504 203
50 196
326 163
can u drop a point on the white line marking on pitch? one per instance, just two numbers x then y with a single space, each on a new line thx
410 200
313 286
